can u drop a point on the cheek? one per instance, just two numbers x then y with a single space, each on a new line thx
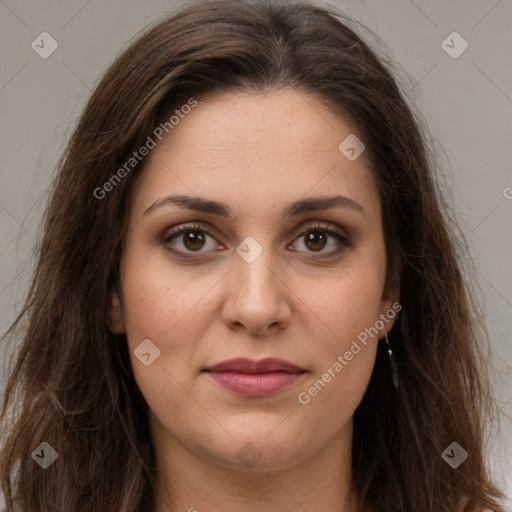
345 360
155 309
160 309
351 317
160 300
345 351
167 306
348 301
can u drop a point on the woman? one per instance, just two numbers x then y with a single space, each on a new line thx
248 294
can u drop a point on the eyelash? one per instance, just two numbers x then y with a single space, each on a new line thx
324 228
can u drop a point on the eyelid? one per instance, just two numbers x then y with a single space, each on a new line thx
306 227
188 226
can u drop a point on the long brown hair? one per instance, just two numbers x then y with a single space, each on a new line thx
71 384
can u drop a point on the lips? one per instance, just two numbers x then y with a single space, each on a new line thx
242 365
250 378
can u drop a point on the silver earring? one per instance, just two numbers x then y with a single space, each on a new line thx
392 361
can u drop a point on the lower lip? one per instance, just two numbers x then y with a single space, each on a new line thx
255 384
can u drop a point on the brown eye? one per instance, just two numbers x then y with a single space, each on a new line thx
315 240
185 239
318 237
193 240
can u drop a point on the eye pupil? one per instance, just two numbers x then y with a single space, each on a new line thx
192 237
314 237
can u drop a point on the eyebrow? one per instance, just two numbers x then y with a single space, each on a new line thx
309 204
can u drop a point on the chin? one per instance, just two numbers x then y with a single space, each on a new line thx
263 449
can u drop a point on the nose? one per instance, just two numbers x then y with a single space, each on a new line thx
256 296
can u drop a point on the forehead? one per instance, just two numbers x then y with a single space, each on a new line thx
239 146
282 121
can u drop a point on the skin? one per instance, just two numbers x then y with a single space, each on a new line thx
256 153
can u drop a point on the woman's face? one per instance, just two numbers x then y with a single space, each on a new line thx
253 278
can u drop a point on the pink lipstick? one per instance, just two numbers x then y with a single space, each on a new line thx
250 378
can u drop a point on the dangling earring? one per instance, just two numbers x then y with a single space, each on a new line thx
393 363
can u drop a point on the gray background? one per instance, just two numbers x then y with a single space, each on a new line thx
467 102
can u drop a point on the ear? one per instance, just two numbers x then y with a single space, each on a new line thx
116 316
390 305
